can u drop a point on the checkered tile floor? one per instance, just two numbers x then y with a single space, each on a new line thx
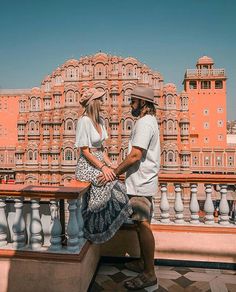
110 277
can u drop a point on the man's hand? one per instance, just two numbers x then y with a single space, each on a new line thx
106 175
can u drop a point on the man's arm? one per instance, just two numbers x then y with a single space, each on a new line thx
134 156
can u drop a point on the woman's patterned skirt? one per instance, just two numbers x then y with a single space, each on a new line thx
105 207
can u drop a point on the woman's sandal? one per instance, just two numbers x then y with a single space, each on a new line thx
135 266
139 282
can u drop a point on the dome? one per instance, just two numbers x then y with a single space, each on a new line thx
205 60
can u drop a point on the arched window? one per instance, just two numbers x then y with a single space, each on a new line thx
30 155
170 126
170 156
69 125
127 96
33 106
68 155
35 155
31 126
70 95
129 125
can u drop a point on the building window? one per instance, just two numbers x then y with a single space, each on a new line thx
206 125
220 123
206 140
206 112
206 160
205 84
68 155
192 85
220 137
218 84
219 161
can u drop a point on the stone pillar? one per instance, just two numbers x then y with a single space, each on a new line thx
179 206
209 206
80 223
194 206
72 228
164 205
35 226
18 227
56 228
224 206
3 223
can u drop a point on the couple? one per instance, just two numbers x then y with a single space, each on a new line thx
109 202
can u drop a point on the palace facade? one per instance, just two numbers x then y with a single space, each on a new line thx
45 118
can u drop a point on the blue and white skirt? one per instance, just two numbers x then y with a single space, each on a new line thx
105 208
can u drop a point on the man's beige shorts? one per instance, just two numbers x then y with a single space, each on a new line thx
142 208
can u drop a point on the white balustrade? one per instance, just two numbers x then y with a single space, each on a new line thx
179 206
3 223
164 205
194 206
72 228
56 228
224 206
209 206
18 228
35 226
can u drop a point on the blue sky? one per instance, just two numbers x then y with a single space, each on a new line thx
168 36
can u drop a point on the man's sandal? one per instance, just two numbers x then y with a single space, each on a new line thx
139 282
135 266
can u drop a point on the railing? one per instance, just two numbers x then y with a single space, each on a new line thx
205 72
185 188
16 234
177 203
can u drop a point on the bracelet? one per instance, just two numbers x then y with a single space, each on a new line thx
102 166
109 164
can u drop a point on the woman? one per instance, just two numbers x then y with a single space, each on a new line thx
105 207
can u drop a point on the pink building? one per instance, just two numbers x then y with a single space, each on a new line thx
48 116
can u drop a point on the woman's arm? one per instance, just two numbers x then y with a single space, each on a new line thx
107 172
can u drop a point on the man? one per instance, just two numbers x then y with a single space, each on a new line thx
141 166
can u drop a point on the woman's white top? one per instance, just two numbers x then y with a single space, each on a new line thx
87 134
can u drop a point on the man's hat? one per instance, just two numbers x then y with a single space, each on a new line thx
144 93
91 94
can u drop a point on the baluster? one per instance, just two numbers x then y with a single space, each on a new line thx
18 226
208 205
56 228
3 223
194 206
72 228
80 222
164 205
224 206
179 207
35 226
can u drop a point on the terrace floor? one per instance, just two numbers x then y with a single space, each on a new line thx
110 277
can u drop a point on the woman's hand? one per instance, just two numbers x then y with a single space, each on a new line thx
107 175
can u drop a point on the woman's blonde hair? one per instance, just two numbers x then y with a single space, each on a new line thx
92 111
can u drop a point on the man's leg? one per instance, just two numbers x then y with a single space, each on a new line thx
147 248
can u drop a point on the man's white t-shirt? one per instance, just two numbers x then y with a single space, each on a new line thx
141 178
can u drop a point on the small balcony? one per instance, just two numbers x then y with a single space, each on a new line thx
41 229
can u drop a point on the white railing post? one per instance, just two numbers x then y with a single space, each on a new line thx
72 228
55 228
194 206
224 206
18 226
179 207
35 225
164 205
3 223
208 205
80 222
